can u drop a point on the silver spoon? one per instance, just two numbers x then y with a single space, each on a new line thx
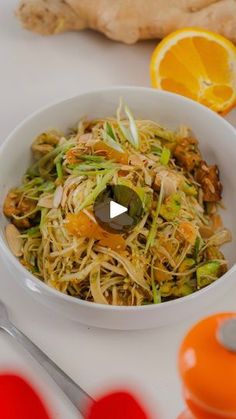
73 391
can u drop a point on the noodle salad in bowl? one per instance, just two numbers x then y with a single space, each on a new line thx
172 252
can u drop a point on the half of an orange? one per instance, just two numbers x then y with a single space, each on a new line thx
198 64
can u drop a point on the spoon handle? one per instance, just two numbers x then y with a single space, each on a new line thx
80 399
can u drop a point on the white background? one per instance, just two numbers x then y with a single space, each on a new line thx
35 71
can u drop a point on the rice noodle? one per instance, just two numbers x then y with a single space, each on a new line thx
67 180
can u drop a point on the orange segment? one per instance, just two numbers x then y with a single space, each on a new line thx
215 59
181 72
110 153
113 241
176 87
81 225
197 64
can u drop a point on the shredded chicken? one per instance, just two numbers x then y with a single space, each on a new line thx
172 250
187 153
170 180
44 143
15 205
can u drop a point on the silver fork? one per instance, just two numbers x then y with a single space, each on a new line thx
80 399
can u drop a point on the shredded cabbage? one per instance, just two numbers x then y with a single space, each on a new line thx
150 264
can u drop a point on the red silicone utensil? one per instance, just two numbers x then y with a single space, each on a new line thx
18 400
117 405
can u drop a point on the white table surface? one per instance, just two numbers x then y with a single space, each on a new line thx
35 71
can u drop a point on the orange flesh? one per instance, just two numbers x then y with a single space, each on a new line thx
201 71
81 225
187 230
101 148
110 153
200 66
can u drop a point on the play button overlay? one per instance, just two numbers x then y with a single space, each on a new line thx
118 209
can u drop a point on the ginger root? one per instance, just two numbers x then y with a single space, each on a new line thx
128 20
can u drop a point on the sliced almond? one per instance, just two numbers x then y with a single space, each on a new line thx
148 178
86 140
221 237
216 222
206 232
46 202
135 160
14 240
62 141
57 196
210 185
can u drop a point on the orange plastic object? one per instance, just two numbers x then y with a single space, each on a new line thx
208 370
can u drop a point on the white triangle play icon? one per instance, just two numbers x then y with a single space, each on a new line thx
116 209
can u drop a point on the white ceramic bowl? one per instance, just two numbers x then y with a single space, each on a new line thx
218 144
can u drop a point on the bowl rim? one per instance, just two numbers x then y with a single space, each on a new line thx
38 283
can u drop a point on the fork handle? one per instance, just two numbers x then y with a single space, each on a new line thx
80 399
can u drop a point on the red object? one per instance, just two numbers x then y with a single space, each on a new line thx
117 405
18 400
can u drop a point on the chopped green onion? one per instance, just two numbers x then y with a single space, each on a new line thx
172 206
96 191
155 293
93 165
164 134
85 167
58 160
152 232
64 148
109 140
196 247
34 169
33 231
126 132
59 170
44 212
133 128
156 150
91 158
208 273
91 172
165 156
47 186
130 134
30 184
110 131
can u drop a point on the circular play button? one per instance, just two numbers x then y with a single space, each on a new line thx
118 209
